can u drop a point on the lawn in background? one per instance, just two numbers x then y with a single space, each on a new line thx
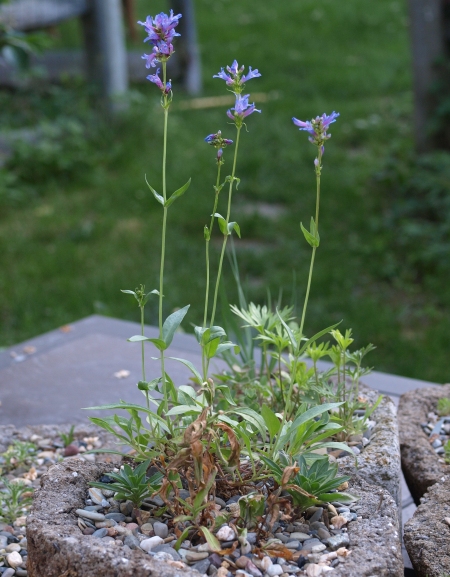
79 224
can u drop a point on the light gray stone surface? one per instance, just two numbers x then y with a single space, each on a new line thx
420 463
56 546
379 463
427 534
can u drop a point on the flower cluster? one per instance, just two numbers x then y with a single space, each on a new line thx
236 81
317 128
218 142
161 32
234 78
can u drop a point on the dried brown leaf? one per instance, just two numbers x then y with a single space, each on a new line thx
288 473
194 432
233 461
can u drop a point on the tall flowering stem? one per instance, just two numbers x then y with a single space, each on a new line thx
225 236
317 129
161 33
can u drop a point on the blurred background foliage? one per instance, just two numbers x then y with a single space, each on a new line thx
77 223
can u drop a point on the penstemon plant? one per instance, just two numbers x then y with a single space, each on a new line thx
272 419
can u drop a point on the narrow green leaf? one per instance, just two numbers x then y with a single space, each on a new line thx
225 391
234 226
211 539
177 194
252 417
317 336
183 409
127 292
190 366
312 413
341 497
171 324
158 197
182 538
272 422
288 330
227 346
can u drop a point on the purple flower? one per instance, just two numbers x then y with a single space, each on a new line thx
217 140
317 128
161 33
234 77
161 27
241 109
159 83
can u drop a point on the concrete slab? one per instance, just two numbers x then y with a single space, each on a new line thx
50 378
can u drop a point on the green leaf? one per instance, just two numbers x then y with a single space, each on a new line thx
182 538
317 336
341 497
211 347
288 330
222 223
272 422
127 292
225 390
314 231
159 343
158 197
211 539
190 366
252 417
226 347
310 239
313 413
234 226
183 409
171 324
177 194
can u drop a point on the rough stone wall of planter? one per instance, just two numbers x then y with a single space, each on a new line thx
379 463
427 533
56 546
420 463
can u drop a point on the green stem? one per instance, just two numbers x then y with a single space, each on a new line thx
216 200
143 356
308 287
163 241
225 238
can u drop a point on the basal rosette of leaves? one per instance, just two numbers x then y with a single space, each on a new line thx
259 430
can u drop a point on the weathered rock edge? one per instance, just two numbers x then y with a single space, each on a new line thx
420 463
427 535
56 546
379 463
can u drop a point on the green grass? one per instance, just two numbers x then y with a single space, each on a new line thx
81 236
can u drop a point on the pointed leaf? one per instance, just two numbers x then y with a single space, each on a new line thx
317 336
177 194
159 343
190 366
171 324
158 197
234 226
288 330
310 239
252 417
272 422
183 409
211 539
312 413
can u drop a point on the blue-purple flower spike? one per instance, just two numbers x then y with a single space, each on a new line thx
241 109
317 128
161 32
234 77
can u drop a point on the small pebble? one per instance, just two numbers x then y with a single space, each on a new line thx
148 544
160 529
14 559
274 570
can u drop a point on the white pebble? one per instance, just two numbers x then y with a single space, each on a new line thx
148 544
266 562
274 570
14 559
225 533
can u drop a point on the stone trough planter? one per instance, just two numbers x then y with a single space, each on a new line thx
57 547
379 463
427 533
421 465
